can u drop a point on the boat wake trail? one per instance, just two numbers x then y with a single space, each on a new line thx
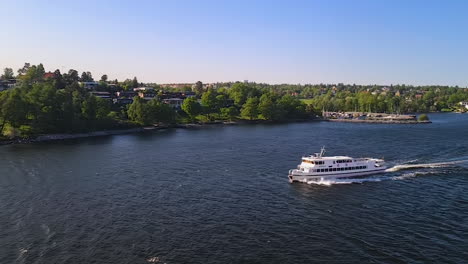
345 181
397 168
424 165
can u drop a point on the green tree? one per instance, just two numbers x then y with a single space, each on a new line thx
229 113
191 107
250 108
33 74
423 117
13 109
103 108
198 87
89 108
293 107
222 100
161 112
104 78
239 92
71 77
86 77
266 107
135 82
25 68
140 112
7 74
210 103
58 80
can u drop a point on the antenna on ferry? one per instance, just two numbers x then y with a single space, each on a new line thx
322 151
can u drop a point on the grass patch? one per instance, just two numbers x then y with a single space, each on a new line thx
307 101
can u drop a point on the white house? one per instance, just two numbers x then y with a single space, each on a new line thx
465 104
175 103
143 89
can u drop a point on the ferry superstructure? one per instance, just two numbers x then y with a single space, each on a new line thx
317 167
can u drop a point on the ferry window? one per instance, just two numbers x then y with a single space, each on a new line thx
334 169
365 167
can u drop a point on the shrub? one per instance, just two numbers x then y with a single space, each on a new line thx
423 117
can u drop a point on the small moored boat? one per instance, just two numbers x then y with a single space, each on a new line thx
317 167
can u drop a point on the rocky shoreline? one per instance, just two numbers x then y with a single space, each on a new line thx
380 121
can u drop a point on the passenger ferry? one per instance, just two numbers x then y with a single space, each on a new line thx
317 167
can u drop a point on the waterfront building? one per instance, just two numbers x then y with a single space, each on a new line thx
464 104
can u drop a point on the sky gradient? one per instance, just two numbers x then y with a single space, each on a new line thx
362 42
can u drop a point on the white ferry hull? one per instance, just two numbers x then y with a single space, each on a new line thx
305 177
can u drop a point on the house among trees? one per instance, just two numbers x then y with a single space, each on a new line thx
143 89
7 84
147 95
464 104
49 75
90 85
175 103
124 97
103 95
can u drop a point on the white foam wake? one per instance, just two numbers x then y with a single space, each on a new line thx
330 182
424 165
412 175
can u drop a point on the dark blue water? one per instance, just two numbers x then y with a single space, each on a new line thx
221 195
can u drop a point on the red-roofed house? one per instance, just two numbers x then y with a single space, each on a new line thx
48 75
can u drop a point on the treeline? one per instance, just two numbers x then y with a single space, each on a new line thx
56 103
375 98
241 101
247 102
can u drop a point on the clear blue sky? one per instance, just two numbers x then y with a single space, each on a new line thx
352 41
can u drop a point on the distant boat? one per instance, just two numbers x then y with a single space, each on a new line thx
317 167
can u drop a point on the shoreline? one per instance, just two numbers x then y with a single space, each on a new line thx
102 133
400 122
